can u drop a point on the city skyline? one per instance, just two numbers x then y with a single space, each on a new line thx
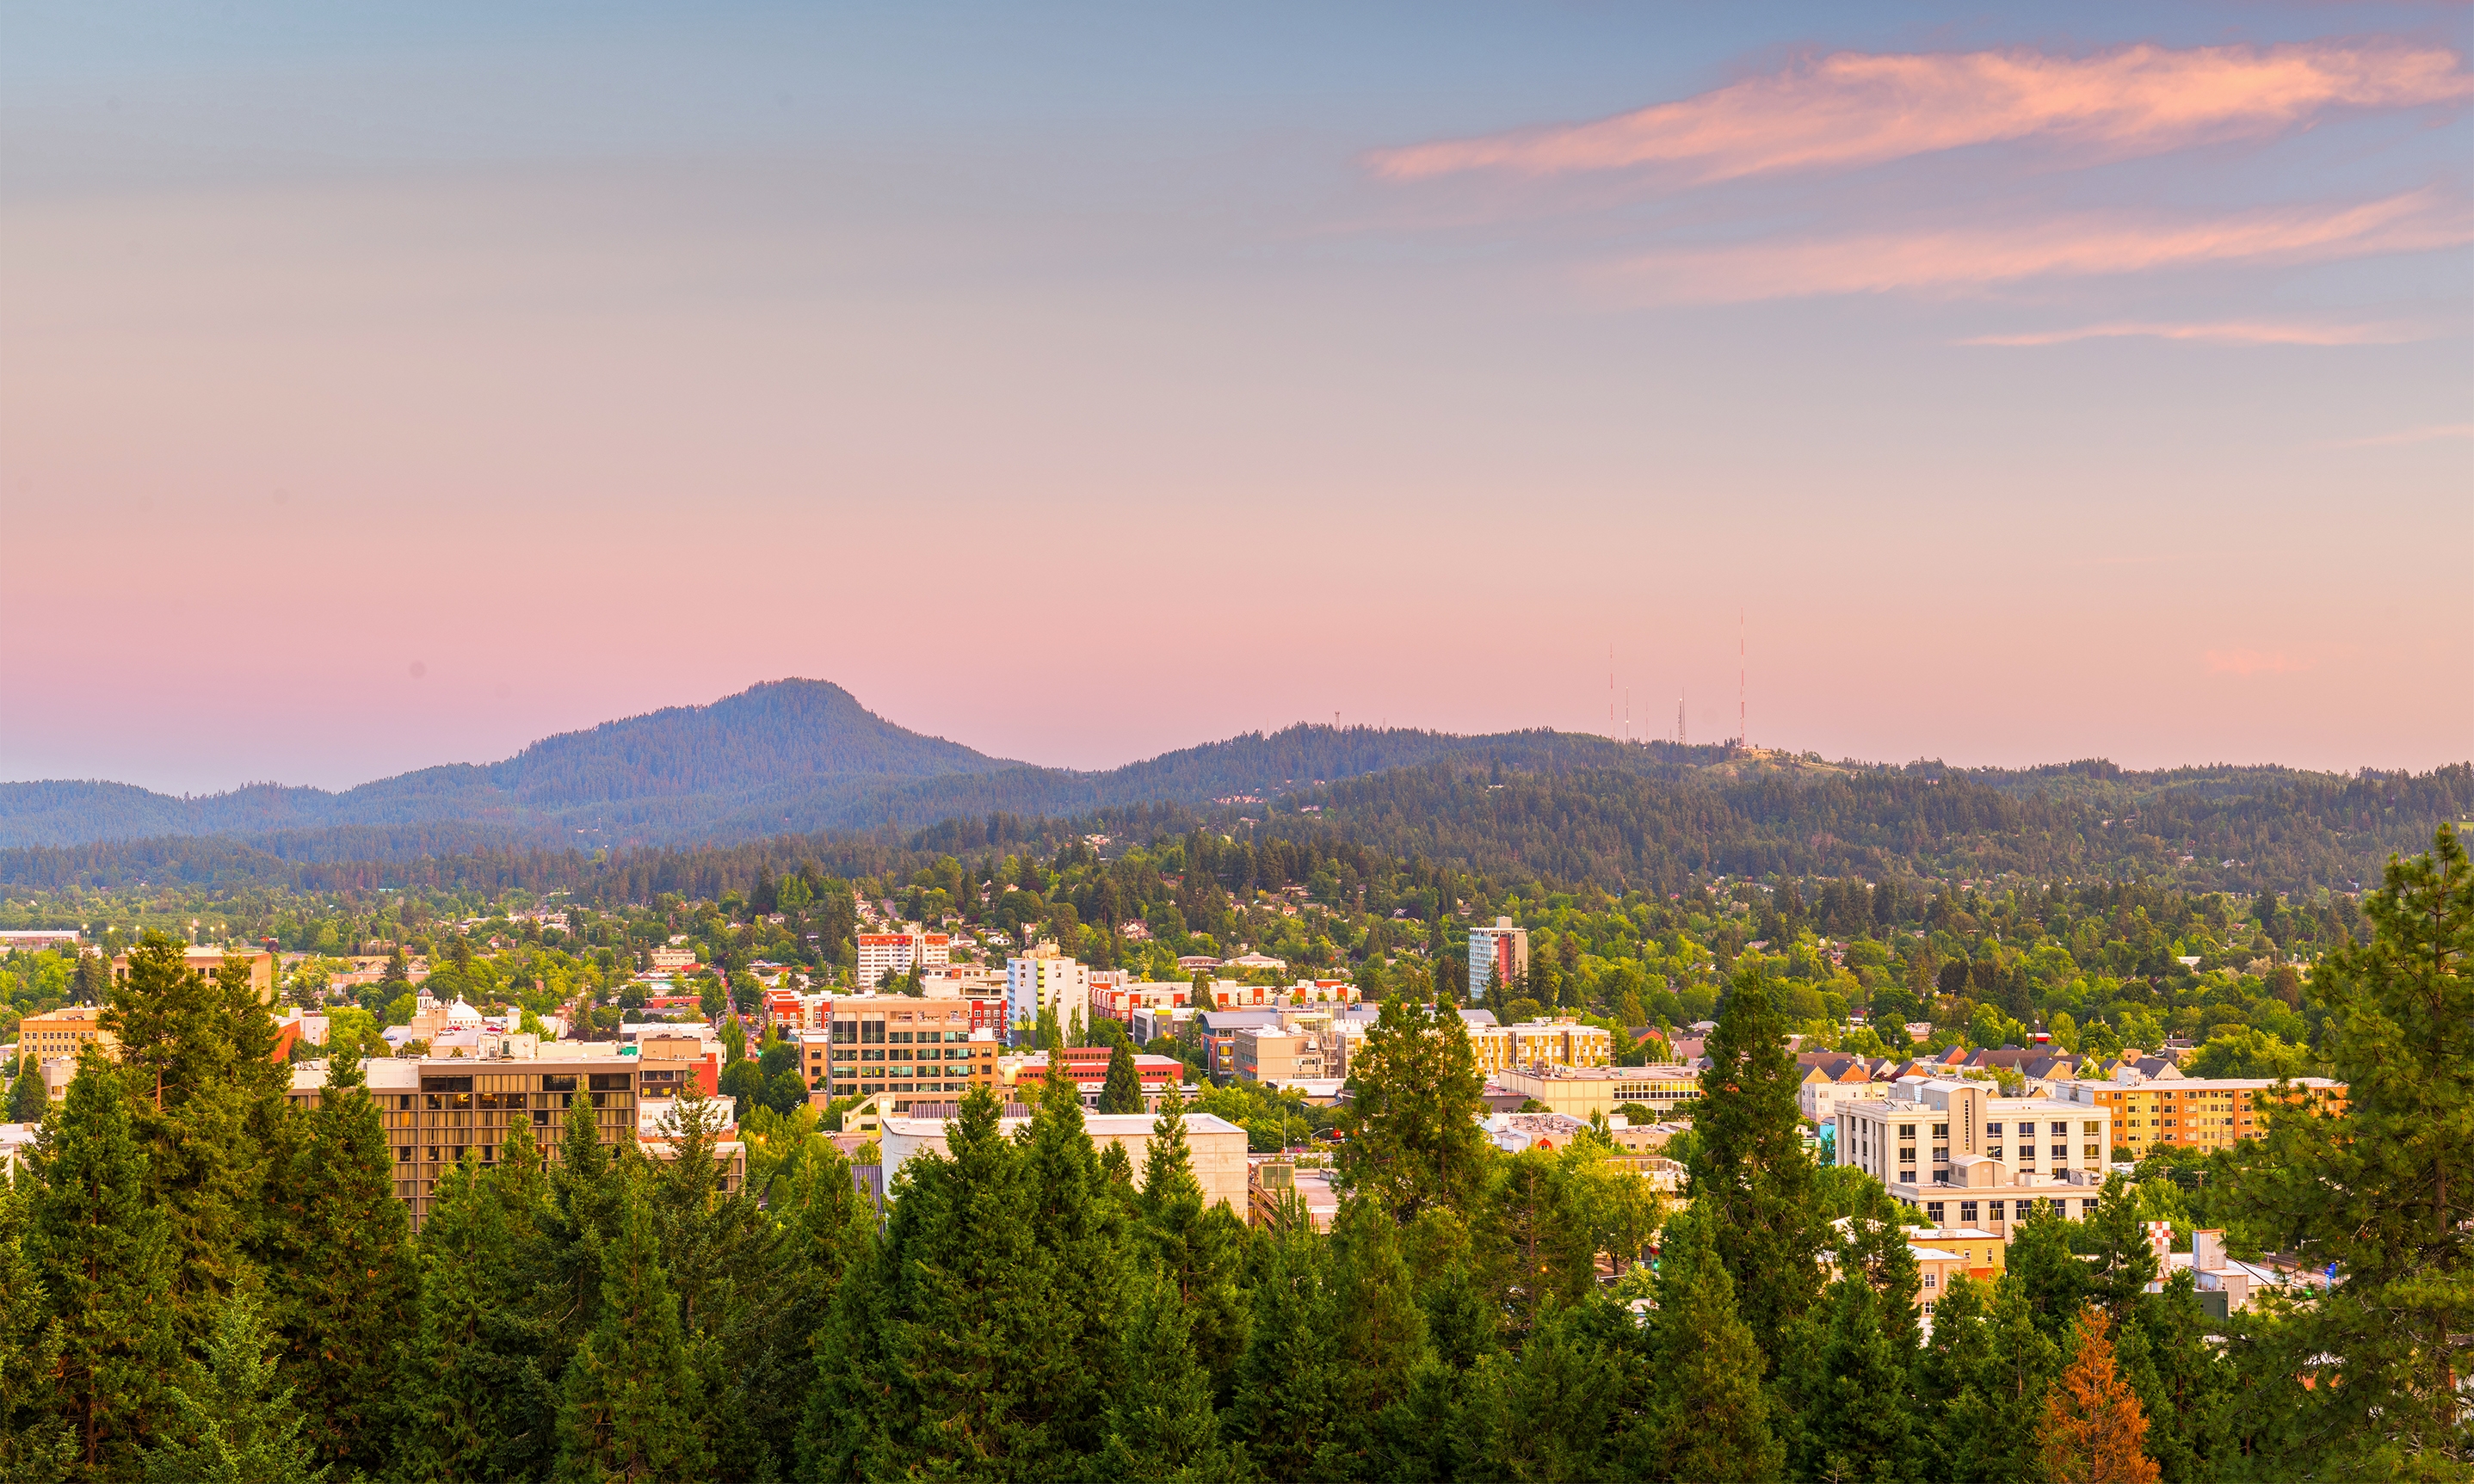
396 390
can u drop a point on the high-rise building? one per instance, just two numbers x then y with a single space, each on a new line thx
1502 949
1044 978
900 952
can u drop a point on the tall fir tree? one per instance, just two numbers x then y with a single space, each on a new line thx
1848 1377
1287 1404
192 1049
1748 1169
1160 1423
944 1356
1123 1092
1200 1247
1711 1420
1983 1382
96 1245
228 1422
1413 1140
630 1403
2094 1430
347 1284
2368 1378
35 1445
477 1397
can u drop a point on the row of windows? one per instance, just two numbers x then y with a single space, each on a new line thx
2060 1127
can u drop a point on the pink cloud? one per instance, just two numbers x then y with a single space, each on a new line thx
1852 110
2234 332
2078 246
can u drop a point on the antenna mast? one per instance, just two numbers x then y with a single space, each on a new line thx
1743 734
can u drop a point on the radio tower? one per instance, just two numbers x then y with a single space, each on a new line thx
1743 734
1610 692
1682 738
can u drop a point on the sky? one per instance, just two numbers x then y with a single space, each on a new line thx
389 386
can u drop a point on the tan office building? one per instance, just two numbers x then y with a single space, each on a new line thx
1579 1092
437 1109
209 961
1965 1158
65 1033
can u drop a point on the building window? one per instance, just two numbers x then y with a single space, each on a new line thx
1906 1131
2061 1154
2061 1130
1967 1214
1932 1280
1932 1211
1996 1210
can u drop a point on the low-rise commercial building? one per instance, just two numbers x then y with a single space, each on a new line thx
65 1033
2154 1104
899 1045
1278 1056
1965 1158
209 961
1578 1091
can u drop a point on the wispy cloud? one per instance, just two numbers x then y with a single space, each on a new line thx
2075 246
2422 435
2226 332
1852 109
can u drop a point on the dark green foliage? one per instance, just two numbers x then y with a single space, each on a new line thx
27 1095
1287 1409
345 1283
1200 1248
631 1404
96 1245
1847 1366
2383 1191
1749 1171
1123 1092
1984 1378
1708 1416
229 1421
1161 1424
35 1445
1413 1144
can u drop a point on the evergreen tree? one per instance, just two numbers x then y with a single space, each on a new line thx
193 1052
1849 1376
347 1278
2172 1353
1200 1248
2093 1430
1538 1236
475 1398
35 1447
1749 1170
1122 1092
1560 1409
631 1398
227 1424
1160 1423
1413 1140
946 1355
1710 1419
2367 1378
1288 1394
28 1097
1985 1376
97 1248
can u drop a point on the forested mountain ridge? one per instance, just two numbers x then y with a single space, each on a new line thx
2240 829
786 756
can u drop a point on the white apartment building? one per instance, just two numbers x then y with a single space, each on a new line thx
1502 948
1044 978
1965 1157
900 950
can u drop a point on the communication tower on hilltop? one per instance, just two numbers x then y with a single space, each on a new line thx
1743 733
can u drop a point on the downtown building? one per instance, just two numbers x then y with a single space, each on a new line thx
1966 1159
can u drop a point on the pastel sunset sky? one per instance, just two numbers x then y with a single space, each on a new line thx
387 386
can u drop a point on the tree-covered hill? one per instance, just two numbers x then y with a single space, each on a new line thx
789 756
2242 830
